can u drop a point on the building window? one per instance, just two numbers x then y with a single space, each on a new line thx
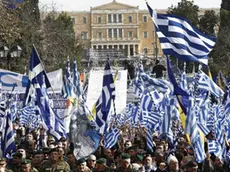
100 35
120 33
130 19
110 33
109 18
145 35
145 19
84 20
114 18
120 18
84 35
115 33
99 19
130 34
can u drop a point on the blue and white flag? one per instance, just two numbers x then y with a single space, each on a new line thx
40 82
111 138
29 117
149 140
36 76
7 139
76 79
103 104
204 82
180 39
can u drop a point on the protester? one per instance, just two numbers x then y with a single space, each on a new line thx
158 69
54 163
27 167
91 162
3 165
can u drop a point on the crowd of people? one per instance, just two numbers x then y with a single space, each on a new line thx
38 152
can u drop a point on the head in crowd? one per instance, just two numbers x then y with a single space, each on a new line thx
53 156
71 160
3 164
101 164
148 161
61 153
125 161
64 142
17 158
173 163
159 157
26 165
191 166
128 144
21 149
91 161
81 165
37 158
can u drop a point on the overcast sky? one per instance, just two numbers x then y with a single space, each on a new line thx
81 5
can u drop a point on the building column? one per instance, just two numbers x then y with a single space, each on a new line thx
128 50
107 47
96 47
102 47
112 46
134 49
118 47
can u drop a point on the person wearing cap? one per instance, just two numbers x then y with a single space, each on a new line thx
91 162
37 159
54 163
27 167
125 164
81 166
139 162
3 165
15 166
133 152
101 166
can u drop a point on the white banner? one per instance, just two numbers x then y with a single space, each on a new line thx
11 79
95 88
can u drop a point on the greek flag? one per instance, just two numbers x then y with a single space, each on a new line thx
192 130
204 82
76 79
212 146
149 140
40 82
103 104
111 138
180 39
29 117
7 139
36 75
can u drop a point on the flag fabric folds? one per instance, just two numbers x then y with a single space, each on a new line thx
40 82
7 139
111 138
103 104
180 39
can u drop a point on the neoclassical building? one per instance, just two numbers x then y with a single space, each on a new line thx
117 26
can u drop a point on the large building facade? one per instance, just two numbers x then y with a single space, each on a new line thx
117 26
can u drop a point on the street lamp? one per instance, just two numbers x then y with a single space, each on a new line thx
12 52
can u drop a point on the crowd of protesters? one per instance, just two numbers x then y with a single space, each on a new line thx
34 153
